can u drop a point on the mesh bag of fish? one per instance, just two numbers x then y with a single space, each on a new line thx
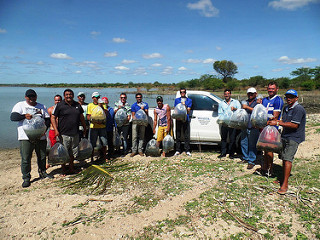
121 118
168 143
239 119
224 119
98 116
180 112
58 155
152 148
34 128
270 140
259 116
116 139
84 149
140 118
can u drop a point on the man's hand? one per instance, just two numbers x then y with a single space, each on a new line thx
233 109
28 116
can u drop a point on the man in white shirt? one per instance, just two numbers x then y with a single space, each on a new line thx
27 110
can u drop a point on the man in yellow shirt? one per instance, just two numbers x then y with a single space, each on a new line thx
97 128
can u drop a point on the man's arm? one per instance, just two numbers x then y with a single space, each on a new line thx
16 117
54 124
155 120
168 118
283 124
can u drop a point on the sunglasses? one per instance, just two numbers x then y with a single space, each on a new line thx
123 97
289 97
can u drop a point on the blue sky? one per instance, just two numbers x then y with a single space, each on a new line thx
168 41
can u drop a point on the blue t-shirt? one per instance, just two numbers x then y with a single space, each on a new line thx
188 104
295 114
274 104
110 120
135 107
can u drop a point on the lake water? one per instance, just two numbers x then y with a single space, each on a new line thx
9 96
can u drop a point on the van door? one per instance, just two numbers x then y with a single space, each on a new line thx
204 115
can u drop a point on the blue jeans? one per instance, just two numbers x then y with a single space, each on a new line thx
249 138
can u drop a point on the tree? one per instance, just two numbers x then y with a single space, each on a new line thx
226 68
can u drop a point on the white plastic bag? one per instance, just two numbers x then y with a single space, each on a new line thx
121 118
168 143
98 116
180 112
84 149
140 118
152 148
239 119
58 155
34 128
270 140
259 116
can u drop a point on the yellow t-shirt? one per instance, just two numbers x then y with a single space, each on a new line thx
91 107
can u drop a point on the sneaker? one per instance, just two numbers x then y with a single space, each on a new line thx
43 174
26 183
250 166
188 154
177 153
231 156
222 155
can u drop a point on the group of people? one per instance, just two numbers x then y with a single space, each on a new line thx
291 120
69 121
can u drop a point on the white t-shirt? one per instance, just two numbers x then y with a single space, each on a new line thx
24 108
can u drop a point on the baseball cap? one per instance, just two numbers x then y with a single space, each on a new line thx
159 98
251 90
292 92
105 99
30 93
81 93
95 94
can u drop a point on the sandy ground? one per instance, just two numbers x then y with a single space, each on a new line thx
38 212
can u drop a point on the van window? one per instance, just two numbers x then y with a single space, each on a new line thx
201 102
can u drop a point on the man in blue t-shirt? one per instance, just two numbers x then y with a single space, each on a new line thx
274 105
138 131
293 123
183 126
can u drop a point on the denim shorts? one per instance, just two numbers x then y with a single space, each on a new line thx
289 149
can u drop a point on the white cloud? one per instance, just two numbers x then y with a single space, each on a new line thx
290 4
126 61
182 69
191 60
167 71
60 56
218 48
3 31
85 64
156 65
152 55
206 8
119 40
121 68
277 70
95 34
209 60
287 60
78 72
110 54
140 71
205 61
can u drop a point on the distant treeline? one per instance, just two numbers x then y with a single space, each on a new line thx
306 79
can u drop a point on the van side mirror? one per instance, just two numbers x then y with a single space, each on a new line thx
215 107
